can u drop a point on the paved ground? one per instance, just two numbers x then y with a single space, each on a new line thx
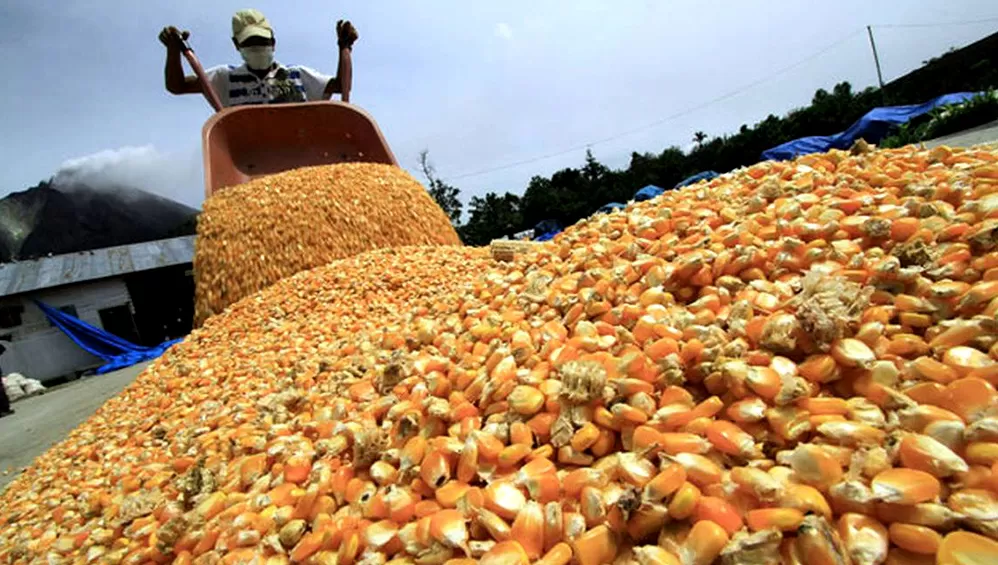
41 421
987 133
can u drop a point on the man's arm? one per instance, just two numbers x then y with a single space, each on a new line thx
346 35
343 80
176 81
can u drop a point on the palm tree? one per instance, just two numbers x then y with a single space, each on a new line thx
699 137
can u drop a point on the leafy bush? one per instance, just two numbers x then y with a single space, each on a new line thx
945 120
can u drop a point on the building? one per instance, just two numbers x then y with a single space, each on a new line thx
142 292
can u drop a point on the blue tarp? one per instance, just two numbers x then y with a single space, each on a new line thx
705 175
607 208
647 193
872 127
117 353
546 230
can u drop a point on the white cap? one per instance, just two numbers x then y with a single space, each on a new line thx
250 23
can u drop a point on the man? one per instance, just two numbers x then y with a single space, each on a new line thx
260 79
4 401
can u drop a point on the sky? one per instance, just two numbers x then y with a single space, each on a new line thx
481 85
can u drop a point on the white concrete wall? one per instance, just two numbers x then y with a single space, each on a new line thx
43 352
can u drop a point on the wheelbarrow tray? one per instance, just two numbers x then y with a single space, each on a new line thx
245 142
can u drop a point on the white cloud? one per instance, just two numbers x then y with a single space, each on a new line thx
504 31
177 177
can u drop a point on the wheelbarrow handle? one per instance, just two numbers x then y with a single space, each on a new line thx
206 88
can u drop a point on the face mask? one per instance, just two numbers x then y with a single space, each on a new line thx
259 58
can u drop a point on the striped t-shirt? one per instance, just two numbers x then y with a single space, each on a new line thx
238 86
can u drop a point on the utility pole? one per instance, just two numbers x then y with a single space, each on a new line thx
876 61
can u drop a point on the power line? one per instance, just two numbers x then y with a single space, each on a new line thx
710 102
669 118
937 24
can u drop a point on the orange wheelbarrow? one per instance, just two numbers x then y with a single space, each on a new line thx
244 142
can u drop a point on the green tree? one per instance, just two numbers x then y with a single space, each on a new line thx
699 137
491 217
445 194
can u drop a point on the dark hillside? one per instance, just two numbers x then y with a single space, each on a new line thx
47 220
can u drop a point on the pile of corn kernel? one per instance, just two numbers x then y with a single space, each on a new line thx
255 234
792 363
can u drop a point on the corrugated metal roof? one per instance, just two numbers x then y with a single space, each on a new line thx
25 276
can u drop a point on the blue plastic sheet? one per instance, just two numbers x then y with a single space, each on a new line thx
705 175
648 192
546 230
873 126
607 208
117 353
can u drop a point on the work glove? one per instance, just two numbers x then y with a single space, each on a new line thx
346 34
173 38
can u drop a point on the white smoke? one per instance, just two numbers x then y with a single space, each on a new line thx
174 176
